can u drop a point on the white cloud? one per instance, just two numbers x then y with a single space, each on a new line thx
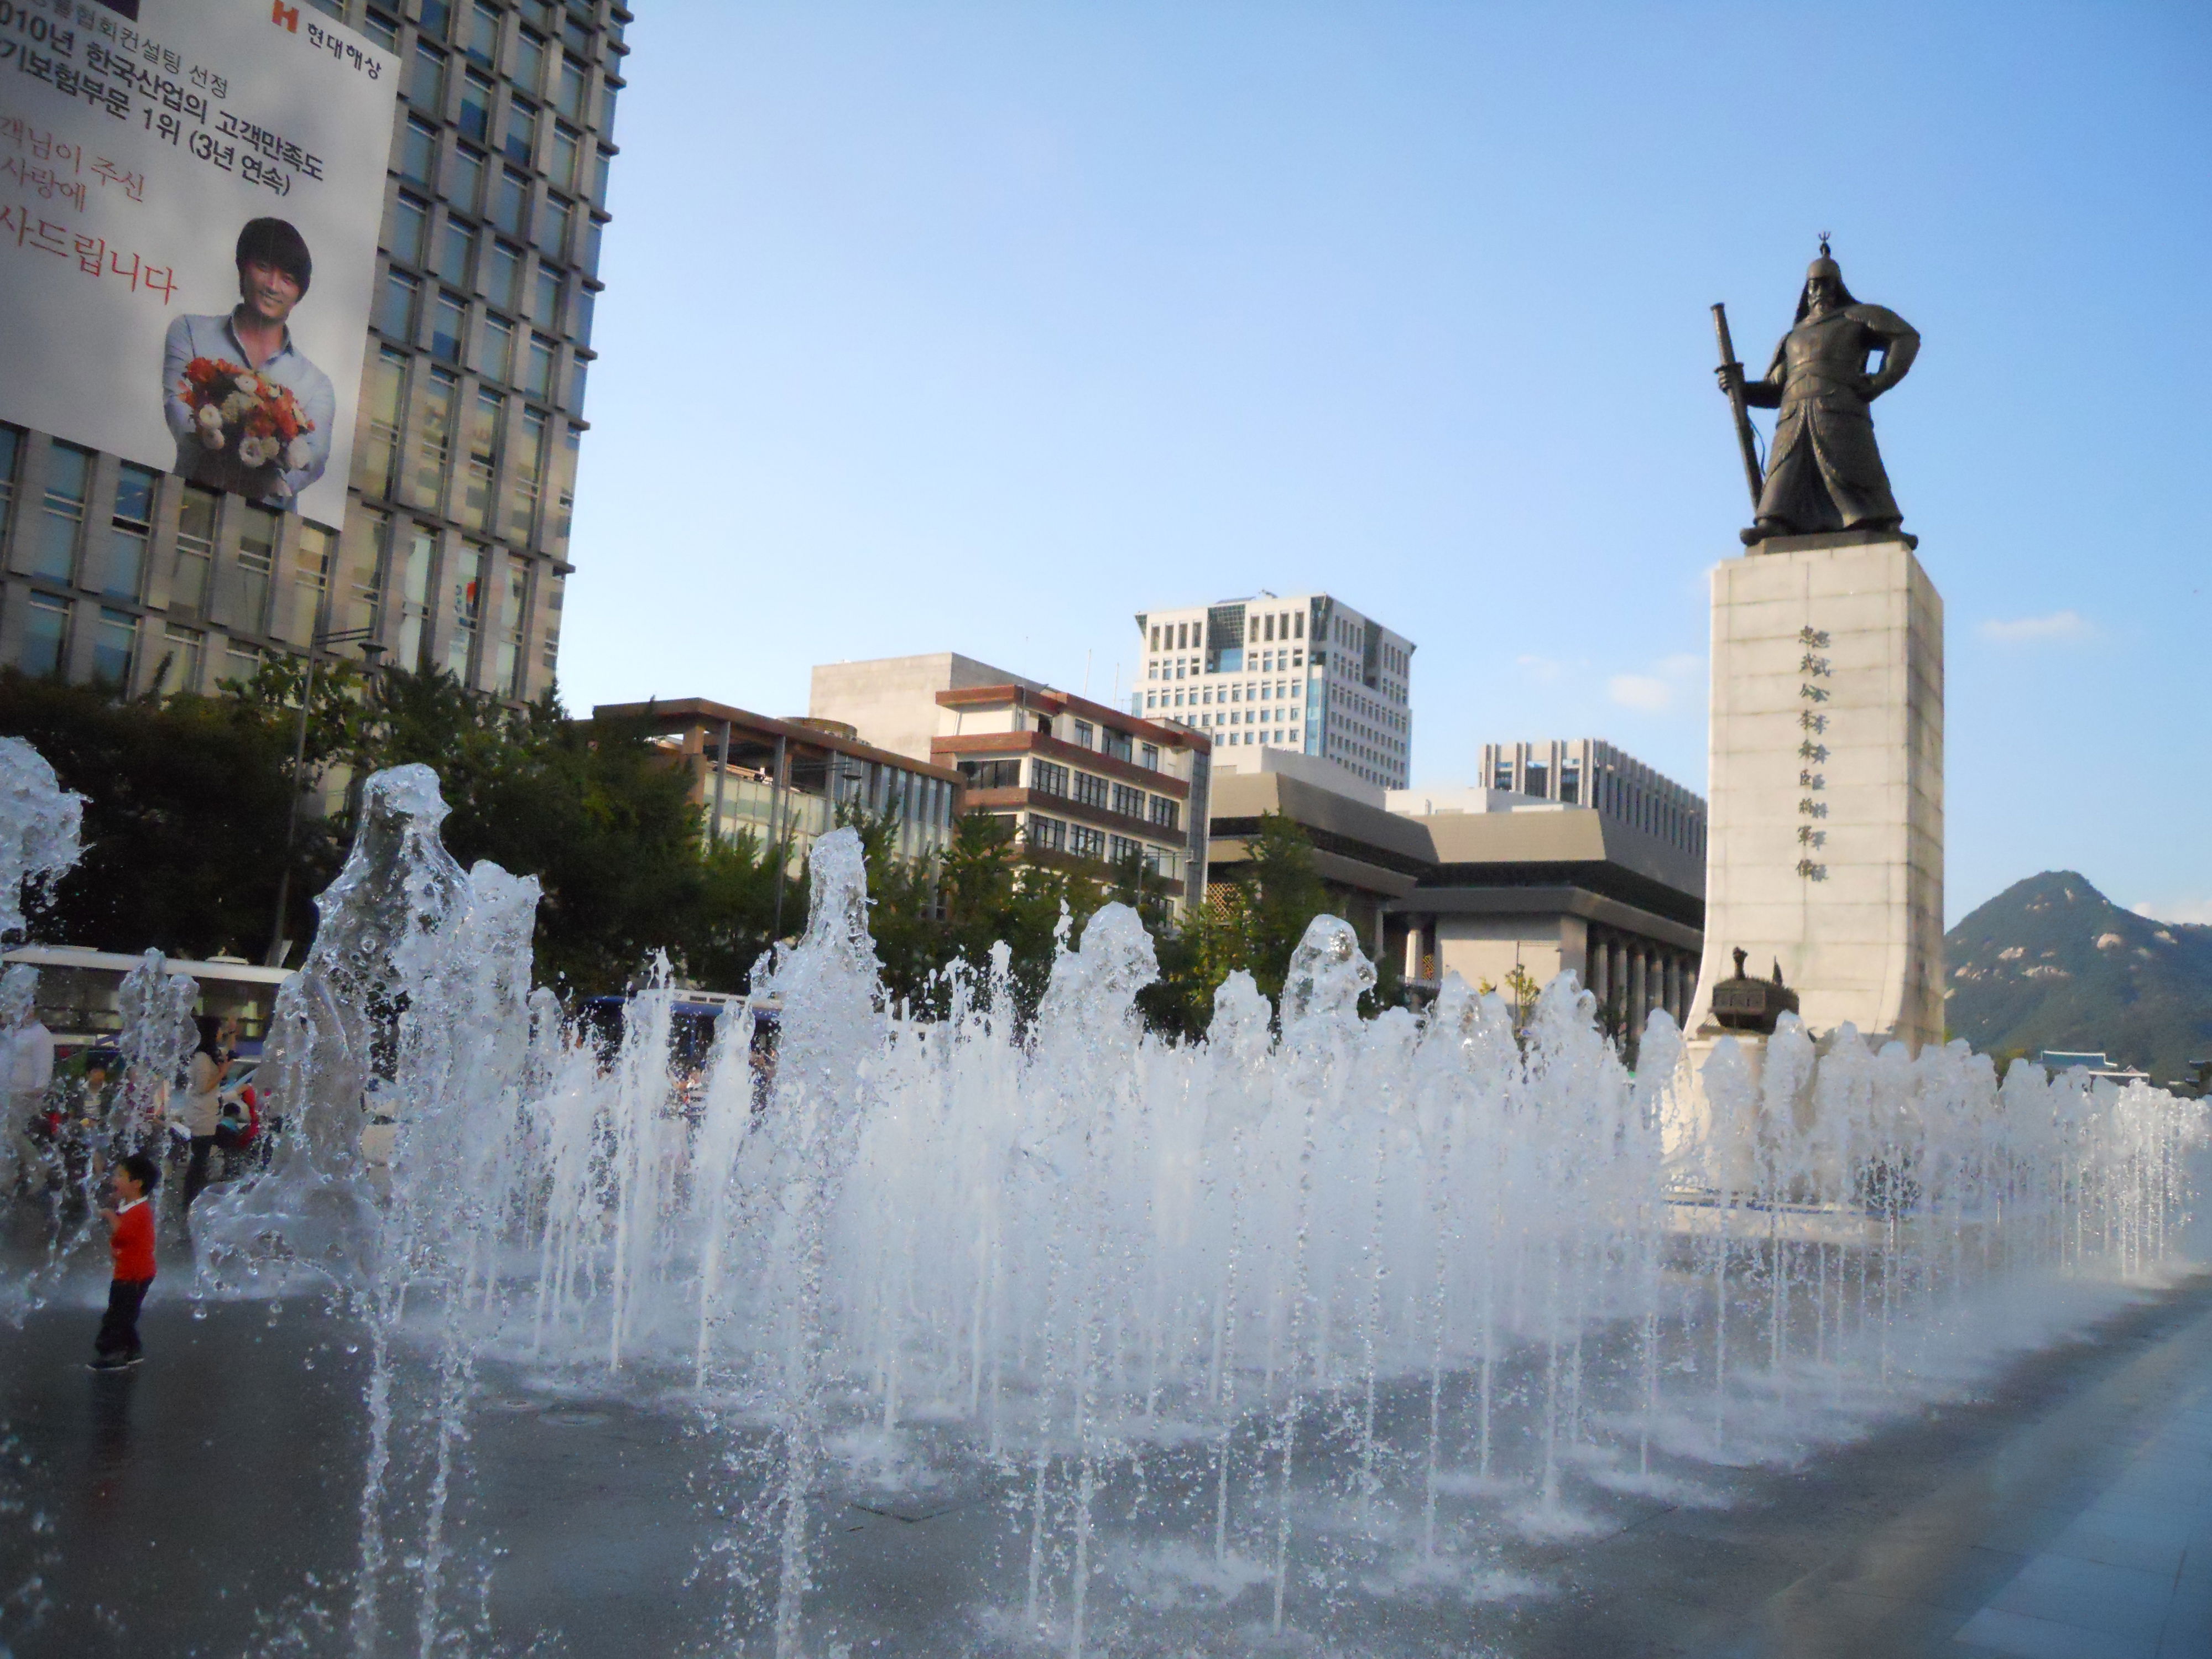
1641 691
1545 671
2030 630
2197 910
1656 693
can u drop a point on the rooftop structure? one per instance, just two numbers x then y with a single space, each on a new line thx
1304 673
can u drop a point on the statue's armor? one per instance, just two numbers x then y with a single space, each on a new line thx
1823 470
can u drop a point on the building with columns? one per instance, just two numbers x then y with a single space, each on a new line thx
1484 882
454 547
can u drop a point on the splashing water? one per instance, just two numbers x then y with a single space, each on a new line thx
1374 1275
41 827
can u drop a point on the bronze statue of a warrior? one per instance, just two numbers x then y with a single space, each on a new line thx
1823 471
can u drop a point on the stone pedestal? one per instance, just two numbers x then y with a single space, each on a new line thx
1825 846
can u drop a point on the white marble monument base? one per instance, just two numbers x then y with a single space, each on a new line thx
1825 848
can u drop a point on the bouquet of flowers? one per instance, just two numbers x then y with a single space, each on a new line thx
249 421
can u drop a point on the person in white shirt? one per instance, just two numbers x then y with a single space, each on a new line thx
26 1066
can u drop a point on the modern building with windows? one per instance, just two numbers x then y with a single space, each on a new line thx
1082 785
1304 673
455 544
1585 772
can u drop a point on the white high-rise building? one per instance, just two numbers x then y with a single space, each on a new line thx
1301 671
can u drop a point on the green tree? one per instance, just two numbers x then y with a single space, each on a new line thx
186 803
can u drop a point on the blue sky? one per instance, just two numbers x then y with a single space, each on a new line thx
938 326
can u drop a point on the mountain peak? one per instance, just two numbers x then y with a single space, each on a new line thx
2050 962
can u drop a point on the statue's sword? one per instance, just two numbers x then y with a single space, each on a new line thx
1743 434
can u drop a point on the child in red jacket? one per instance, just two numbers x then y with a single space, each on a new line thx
130 1239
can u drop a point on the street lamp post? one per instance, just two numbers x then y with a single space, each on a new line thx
370 650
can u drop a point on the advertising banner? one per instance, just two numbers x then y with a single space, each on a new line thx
190 196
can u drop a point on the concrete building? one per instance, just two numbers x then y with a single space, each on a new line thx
779 779
1082 785
1304 673
1482 882
455 544
1585 772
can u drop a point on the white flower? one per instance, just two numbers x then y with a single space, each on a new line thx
212 436
249 385
210 417
251 452
235 405
298 454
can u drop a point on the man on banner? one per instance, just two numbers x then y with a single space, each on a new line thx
250 413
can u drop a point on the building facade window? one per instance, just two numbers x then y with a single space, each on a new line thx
433 441
397 306
1047 835
313 570
256 565
384 396
415 599
449 323
410 225
536 376
475 508
456 253
418 153
510 671
69 481
115 648
503 277
130 533
510 201
496 349
45 636
1091 790
992 773
476 106
482 45
518 143
183 650
1086 842
426 85
367 568
549 603
465 190
1129 801
1166 813
191 578
527 453
466 591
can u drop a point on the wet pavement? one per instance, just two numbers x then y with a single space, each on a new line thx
209 1502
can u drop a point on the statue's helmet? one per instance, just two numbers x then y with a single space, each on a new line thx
1825 270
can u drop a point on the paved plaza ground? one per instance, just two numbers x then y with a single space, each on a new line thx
209 1504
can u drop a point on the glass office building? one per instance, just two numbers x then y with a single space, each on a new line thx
455 544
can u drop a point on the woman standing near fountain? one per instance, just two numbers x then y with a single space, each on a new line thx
202 1113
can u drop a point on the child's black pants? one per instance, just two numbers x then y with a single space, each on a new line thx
119 1327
